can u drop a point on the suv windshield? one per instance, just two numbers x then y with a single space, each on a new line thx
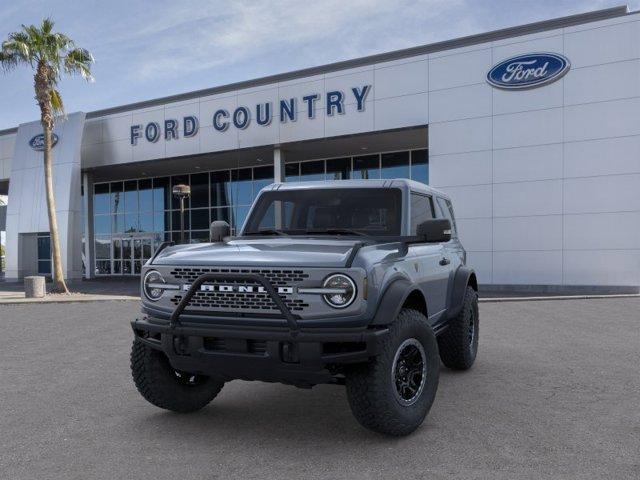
336 211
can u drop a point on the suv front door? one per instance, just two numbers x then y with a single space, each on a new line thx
431 272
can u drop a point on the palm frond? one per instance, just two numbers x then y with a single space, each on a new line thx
78 61
56 102
47 25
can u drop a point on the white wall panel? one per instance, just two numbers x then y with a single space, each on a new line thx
458 103
528 268
601 120
527 198
471 168
528 233
460 136
302 129
508 101
397 112
476 234
599 83
346 82
92 132
255 135
613 193
602 267
402 79
116 127
459 69
472 201
602 231
301 88
540 162
119 151
528 128
482 263
212 140
607 156
350 122
603 45
210 105
4 171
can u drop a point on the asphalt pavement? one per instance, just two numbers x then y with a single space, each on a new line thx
555 393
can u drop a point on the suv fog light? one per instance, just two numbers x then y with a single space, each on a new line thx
343 291
153 285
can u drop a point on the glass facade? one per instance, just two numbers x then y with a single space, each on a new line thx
132 217
413 164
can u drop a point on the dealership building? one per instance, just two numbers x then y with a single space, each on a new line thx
534 132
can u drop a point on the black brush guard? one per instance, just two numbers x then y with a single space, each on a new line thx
174 320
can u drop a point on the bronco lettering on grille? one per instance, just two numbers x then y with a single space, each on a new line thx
239 289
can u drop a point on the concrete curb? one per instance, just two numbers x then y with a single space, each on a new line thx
69 299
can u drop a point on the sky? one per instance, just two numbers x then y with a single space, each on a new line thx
150 49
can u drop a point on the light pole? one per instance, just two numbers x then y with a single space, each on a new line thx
181 192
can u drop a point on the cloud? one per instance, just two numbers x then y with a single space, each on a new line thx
202 35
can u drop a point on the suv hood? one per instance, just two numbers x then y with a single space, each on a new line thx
281 252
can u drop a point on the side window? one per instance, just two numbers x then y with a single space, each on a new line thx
421 210
447 211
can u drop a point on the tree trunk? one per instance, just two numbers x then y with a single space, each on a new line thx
59 285
46 118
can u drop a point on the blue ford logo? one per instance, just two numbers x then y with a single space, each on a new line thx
37 142
528 71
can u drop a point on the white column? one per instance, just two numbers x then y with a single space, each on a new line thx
278 165
87 203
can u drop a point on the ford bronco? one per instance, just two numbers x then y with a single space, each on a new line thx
361 283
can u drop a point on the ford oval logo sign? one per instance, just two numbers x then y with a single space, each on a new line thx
528 71
37 142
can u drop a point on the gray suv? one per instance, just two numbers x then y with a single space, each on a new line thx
355 283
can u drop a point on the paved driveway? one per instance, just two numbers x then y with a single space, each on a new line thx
555 393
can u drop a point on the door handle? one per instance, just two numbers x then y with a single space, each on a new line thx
444 261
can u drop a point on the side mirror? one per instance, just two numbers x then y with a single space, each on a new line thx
435 230
219 230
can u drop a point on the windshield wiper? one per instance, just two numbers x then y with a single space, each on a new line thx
268 231
337 231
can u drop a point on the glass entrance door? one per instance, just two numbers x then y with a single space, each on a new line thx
129 253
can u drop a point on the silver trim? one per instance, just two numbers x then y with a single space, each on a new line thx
322 291
164 286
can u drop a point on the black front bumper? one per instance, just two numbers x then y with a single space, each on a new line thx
309 357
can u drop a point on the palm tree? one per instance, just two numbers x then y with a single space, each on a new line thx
49 54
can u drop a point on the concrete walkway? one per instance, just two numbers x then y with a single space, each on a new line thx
103 289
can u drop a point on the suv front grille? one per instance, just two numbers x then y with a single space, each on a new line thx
241 301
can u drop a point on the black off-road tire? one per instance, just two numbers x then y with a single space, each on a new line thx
459 343
160 384
371 387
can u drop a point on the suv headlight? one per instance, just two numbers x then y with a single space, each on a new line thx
340 290
152 285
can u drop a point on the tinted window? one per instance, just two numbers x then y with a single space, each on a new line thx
372 211
420 166
447 211
395 165
421 210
